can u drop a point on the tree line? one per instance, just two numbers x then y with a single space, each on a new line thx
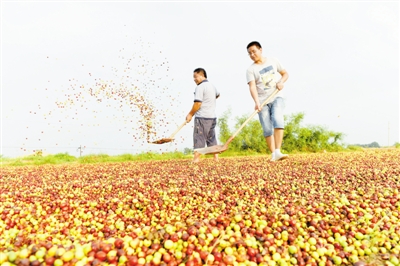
297 138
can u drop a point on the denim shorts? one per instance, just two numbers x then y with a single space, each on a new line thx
271 116
204 132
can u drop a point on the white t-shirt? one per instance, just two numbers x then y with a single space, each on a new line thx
266 76
206 93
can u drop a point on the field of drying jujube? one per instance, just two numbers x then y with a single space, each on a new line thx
311 209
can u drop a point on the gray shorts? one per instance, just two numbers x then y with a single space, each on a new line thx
204 132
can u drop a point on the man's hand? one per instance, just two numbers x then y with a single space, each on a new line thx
279 85
254 95
284 77
196 106
188 118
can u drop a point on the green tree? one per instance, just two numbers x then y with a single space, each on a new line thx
224 131
374 145
371 145
309 139
296 137
250 138
187 151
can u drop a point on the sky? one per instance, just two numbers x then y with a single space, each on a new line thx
90 77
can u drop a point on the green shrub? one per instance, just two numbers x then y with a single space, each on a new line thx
297 138
126 157
354 148
94 158
64 157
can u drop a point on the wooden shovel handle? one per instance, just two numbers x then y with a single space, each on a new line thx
176 131
251 116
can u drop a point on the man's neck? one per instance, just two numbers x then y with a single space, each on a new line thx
204 80
260 62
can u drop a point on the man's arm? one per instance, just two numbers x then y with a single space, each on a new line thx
285 76
196 106
254 94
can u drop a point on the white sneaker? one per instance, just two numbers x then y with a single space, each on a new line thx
280 156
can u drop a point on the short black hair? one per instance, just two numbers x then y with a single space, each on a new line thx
201 71
254 43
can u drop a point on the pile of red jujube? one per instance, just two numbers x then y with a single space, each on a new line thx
311 209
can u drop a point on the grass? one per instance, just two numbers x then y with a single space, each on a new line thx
39 160
101 158
62 158
354 148
231 153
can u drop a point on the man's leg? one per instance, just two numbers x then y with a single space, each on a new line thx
199 138
274 143
216 157
278 137
270 143
211 138
265 119
196 157
278 123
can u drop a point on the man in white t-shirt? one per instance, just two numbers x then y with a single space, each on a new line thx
205 96
263 79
